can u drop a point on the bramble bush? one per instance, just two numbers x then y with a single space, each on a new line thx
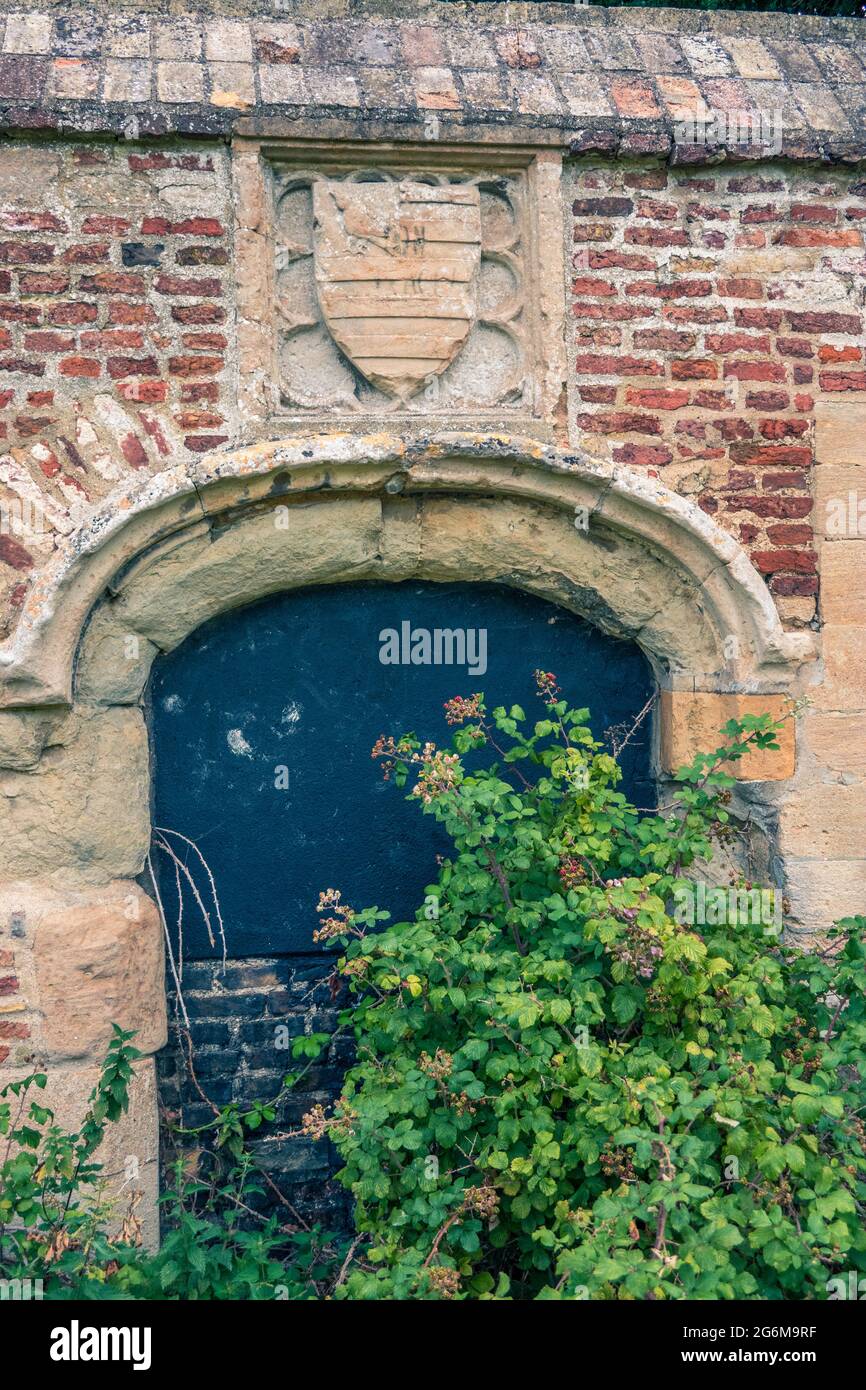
561 1090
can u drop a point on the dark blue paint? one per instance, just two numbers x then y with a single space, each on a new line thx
299 677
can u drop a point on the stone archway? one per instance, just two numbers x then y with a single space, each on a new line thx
206 537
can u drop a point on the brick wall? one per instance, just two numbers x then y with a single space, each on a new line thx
115 328
240 1021
709 309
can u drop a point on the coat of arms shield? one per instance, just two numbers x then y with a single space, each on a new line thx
396 275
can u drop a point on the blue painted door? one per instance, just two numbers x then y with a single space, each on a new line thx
262 724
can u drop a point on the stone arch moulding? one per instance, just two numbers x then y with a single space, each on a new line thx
213 534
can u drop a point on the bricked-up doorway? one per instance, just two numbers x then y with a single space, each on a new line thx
261 727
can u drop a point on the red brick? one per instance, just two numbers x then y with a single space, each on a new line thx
789 534
755 371
20 313
80 366
758 318
781 482
786 561
156 160
655 236
13 1028
611 313
656 211
814 236
201 443
112 338
13 553
828 353
49 342
200 391
693 369
618 260
43 282
72 312
737 342
134 451
592 285
816 321
214 341
199 419
86 254
812 212
741 288
694 313
842 381
112 282
99 223
617 365
120 312
664 339
24 365
620 422
198 313
191 226
642 455
795 347
789 584
597 395
755 183
767 400
26 253
131 366
783 429
773 506
177 284
602 207
195 366
658 399
772 455
146 392
765 212
678 289
12 221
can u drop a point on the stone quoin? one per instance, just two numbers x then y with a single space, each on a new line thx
399 293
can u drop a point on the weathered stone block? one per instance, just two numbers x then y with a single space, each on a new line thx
690 722
824 822
90 958
85 806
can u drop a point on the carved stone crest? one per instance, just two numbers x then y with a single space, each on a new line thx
427 287
396 267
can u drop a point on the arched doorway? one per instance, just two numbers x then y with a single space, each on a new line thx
205 538
261 726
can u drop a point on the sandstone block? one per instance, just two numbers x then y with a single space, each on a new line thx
690 722
88 958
